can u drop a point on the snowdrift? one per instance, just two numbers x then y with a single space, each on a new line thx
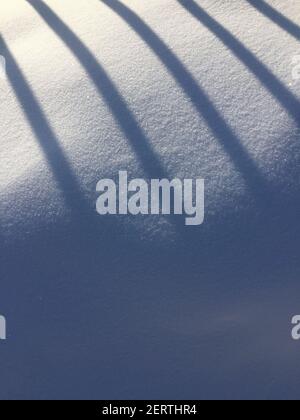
131 307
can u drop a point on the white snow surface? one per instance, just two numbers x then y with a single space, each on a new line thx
140 307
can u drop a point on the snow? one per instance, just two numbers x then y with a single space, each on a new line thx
131 307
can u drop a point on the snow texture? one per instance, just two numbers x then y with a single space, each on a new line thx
143 307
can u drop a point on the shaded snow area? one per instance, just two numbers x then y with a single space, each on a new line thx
143 307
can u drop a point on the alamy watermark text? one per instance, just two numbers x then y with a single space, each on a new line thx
159 196
2 328
2 67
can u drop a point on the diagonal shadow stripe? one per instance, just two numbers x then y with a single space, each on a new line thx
283 95
202 103
275 16
48 141
107 89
